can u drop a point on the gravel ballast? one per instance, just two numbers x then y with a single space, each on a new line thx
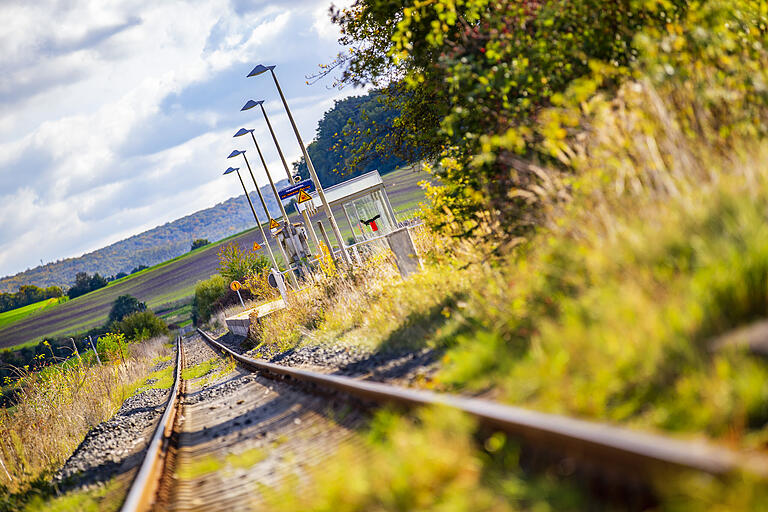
114 446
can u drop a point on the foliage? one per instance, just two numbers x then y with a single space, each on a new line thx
238 265
27 294
354 137
112 347
141 325
55 410
198 243
427 463
123 306
85 283
488 67
207 292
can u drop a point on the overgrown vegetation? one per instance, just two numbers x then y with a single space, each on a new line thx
57 407
604 182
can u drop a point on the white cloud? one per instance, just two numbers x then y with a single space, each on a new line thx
117 116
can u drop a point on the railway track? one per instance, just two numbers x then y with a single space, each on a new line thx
266 417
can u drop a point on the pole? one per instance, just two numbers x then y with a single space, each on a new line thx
313 174
77 353
304 214
325 239
282 208
266 240
90 340
287 172
241 298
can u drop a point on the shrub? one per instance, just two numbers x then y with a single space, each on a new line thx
112 347
198 243
123 306
141 325
237 265
206 294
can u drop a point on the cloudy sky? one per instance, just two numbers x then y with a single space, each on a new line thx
117 116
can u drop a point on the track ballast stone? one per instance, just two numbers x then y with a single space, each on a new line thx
402 366
114 446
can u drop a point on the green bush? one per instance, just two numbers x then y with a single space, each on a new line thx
206 294
123 306
112 347
238 265
141 325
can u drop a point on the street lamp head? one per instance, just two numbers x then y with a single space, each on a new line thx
259 70
231 170
242 131
235 153
250 104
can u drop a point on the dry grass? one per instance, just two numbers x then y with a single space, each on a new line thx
59 405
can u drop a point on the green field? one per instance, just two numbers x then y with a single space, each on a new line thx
14 315
168 287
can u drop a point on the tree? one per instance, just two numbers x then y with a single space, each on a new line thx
85 283
199 242
471 76
354 137
123 306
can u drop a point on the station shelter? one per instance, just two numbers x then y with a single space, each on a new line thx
361 202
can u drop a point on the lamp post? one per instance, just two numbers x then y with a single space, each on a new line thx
249 105
258 70
264 236
264 205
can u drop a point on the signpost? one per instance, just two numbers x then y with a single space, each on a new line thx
304 197
235 287
302 186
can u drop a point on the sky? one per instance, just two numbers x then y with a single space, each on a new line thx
118 116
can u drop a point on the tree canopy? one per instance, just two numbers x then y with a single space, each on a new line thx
470 77
357 135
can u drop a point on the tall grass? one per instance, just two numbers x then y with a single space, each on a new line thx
56 408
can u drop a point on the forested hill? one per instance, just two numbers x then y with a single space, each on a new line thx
355 136
150 247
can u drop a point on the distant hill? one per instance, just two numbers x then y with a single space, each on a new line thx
150 247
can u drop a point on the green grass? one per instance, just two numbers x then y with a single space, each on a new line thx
201 369
245 459
14 315
199 467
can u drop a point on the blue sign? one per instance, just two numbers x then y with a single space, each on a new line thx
294 189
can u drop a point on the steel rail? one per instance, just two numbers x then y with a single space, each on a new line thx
144 487
600 443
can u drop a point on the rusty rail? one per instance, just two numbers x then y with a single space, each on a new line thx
144 487
600 443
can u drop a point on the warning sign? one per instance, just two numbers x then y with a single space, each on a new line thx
273 224
235 286
256 246
303 197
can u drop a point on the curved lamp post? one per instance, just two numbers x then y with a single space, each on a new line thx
264 205
264 236
249 105
258 70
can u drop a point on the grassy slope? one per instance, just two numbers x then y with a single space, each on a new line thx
167 282
14 315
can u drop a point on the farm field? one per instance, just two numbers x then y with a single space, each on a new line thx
166 288
14 315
